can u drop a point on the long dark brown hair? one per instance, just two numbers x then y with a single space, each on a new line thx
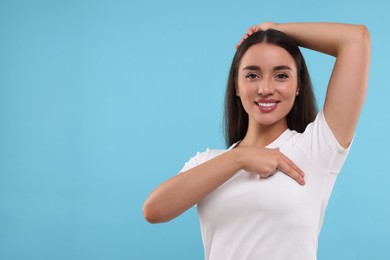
304 109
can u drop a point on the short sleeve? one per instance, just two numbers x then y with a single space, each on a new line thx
200 158
321 146
191 163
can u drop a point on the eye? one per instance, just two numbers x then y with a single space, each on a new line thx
251 76
282 76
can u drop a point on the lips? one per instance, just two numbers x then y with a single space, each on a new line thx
266 105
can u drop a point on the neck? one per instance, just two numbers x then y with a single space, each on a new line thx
262 135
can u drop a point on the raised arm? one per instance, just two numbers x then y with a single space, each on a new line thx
347 87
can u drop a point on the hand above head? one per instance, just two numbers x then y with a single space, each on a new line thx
259 27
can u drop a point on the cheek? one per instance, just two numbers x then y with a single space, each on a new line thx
246 95
246 88
291 100
290 90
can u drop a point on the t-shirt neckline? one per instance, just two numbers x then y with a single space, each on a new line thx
278 141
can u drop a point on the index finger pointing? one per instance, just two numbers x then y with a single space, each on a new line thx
289 171
289 168
292 165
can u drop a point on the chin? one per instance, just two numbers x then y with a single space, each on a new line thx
270 121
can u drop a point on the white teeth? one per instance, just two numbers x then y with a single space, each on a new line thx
266 104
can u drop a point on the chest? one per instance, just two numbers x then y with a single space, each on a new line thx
245 195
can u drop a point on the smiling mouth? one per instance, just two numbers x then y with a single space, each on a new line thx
267 107
266 104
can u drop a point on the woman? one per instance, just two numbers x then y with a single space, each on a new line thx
265 196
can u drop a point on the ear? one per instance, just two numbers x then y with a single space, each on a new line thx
297 92
237 92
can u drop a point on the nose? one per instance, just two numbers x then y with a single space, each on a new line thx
265 87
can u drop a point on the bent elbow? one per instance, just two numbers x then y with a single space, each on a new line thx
363 35
152 214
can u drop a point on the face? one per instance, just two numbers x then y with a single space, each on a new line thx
267 84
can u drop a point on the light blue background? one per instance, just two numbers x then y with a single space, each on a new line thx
100 101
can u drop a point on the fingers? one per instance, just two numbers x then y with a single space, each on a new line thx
260 27
292 164
242 40
250 31
291 169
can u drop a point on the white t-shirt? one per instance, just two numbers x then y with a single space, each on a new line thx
249 218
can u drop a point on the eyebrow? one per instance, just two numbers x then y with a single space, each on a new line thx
276 68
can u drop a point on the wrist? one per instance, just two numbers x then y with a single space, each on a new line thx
237 158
